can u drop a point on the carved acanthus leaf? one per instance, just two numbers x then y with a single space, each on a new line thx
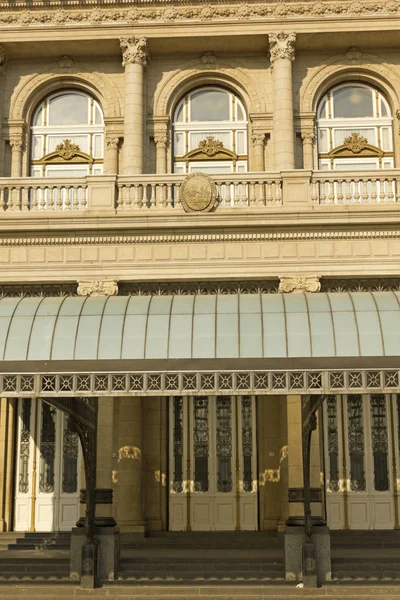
210 146
354 53
65 62
208 58
299 283
97 287
282 45
134 51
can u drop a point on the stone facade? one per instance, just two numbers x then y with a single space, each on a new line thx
137 63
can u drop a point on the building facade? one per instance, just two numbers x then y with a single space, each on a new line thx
199 226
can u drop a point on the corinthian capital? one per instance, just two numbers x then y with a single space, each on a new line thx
16 142
97 287
134 50
282 45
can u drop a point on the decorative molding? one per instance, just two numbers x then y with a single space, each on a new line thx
134 51
354 54
355 142
67 149
198 192
156 11
197 238
98 287
197 382
65 62
210 146
112 142
282 45
202 288
258 138
299 283
208 58
162 140
16 142
308 137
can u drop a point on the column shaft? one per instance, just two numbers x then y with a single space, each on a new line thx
133 123
105 452
283 114
308 150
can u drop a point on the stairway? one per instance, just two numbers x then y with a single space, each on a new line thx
34 557
365 557
197 558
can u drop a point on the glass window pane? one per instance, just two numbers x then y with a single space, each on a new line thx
379 437
177 485
179 149
323 140
352 102
322 114
37 147
98 145
210 105
341 134
98 117
68 109
239 112
80 140
179 113
384 110
247 444
110 336
240 142
87 337
70 459
47 449
38 116
333 444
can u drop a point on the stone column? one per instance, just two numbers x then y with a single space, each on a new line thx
7 418
128 473
104 471
258 140
161 142
112 155
134 59
308 139
3 61
282 50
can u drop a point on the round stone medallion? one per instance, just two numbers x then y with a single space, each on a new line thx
198 193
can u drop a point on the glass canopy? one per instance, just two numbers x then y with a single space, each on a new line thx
200 326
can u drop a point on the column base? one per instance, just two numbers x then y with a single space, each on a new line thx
294 540
108 553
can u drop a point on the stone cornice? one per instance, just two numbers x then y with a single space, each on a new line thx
90 240
59 13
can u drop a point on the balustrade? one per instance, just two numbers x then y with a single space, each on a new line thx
162 192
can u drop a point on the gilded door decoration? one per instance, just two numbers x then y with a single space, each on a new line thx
333 444
212 464
47 450
356 443
379 433
70 459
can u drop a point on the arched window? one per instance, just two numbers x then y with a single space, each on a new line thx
210 132
354 129
67 136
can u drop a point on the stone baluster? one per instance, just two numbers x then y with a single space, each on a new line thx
282 52
134 59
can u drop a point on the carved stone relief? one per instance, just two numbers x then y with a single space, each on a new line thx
98 287
299 283
282 45
198 193
134 51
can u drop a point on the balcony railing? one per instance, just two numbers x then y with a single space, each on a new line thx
299 190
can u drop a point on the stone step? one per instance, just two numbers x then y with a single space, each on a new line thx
118 590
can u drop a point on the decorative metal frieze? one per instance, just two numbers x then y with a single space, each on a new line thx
178 445
333 443
38 290
355 432
224 443
247 443
361 285
200 443
24 445
196 383
379 435
47 450
206 288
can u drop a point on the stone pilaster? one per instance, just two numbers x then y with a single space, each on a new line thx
134 59
161 142
308 139
282 53
111 165
258 139
17 143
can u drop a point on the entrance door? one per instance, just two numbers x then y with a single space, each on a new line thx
48 465
362 461
213 483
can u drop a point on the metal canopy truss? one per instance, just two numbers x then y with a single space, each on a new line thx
133 383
